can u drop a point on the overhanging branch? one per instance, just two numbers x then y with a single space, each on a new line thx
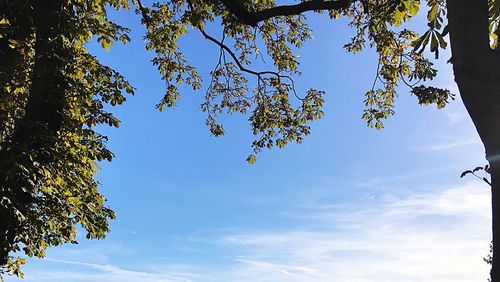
252 18
235 58
225 48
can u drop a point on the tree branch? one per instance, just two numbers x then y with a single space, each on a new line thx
235 58
243 68
251 18
144 13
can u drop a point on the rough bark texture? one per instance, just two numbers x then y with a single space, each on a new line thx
476 68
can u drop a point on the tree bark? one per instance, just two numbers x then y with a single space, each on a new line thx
495 207
476 69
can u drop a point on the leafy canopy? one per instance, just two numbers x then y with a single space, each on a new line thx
279 115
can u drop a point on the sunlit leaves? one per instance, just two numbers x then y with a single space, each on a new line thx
274 119
379 106
494 20
280 35
13 267
434 36
91 20
166 24
377 23
251 159
277 123
432 95
400 50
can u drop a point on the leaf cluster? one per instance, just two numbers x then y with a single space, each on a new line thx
274 119
381 24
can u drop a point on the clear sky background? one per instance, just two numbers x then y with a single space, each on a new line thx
349 204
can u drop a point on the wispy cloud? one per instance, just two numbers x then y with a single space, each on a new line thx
439 146
439 235
455 116
105 272
470 199
118 228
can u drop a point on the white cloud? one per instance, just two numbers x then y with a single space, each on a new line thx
91 272
437 236
125 230
451 144
469 199
455 116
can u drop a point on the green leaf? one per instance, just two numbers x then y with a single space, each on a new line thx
442 42
251 159
431 16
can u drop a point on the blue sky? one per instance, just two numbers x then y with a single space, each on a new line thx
349 204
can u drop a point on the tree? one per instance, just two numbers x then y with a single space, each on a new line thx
53 90
52 95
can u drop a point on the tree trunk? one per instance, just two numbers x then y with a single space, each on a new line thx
476 69
495 203
34 133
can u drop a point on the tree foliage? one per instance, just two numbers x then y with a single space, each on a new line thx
53 92
52 95
278 114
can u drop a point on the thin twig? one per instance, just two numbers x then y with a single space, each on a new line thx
144 13
235 58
